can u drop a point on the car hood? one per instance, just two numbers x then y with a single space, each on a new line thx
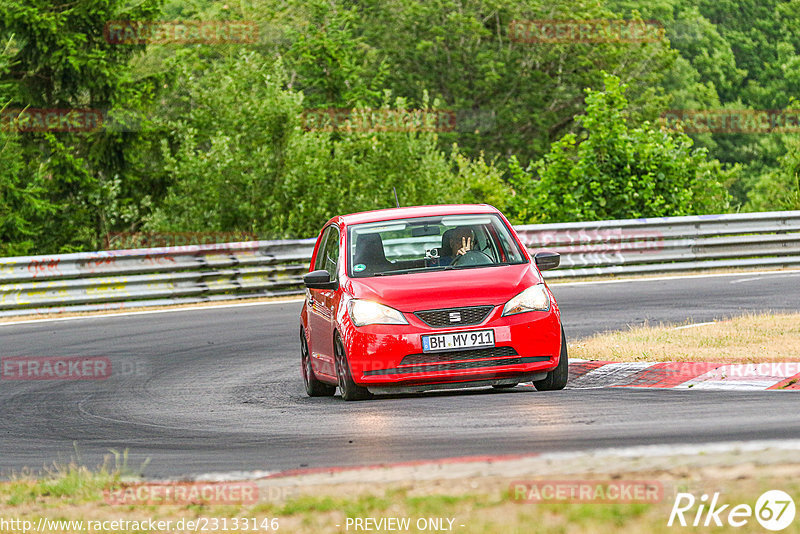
446 289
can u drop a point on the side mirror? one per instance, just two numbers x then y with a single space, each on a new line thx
547 260
320 279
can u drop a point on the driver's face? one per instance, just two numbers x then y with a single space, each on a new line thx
457 239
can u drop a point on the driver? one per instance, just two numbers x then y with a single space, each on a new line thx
456 242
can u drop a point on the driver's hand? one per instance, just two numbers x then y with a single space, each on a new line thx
466 246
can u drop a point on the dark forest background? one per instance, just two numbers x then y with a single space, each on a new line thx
211 138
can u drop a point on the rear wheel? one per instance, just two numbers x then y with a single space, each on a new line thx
557 378
314 388
349 389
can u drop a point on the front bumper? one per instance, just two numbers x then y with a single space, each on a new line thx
527 345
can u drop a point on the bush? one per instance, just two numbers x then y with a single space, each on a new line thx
779 189
613 171
239 160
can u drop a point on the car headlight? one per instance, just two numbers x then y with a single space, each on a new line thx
535 298
364 312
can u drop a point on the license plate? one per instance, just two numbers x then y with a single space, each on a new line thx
458 340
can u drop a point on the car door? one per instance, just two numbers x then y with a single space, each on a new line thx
321 306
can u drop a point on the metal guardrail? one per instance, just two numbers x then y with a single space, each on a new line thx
669 244
119 279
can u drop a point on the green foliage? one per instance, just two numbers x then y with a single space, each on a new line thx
615 171
218 144
278 180
511 97
329 60
61 56
21 202
780 189
739 54
58 59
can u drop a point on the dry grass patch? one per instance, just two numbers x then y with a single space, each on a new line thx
747 339
483 505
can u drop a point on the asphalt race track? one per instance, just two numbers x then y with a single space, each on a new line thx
219 390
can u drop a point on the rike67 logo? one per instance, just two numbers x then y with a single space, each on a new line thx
774 510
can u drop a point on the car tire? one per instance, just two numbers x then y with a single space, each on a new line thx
349 389
504 386
314 388
557 378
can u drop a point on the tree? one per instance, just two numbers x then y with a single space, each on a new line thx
511 96
746 53
780 189
329 60
240 159
615 171
60 59
22 205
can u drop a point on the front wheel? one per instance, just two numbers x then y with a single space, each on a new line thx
557 378
350 390
314 388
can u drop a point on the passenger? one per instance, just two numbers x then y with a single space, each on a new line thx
370 257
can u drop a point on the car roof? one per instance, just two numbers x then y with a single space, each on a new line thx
414 211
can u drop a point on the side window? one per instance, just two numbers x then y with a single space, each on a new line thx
332 253
485 243
319 261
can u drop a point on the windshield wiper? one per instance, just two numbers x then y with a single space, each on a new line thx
499 264
413 269
447 268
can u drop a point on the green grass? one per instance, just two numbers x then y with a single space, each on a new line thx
305 504
72 492
72 484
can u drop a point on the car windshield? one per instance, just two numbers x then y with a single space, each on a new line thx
430 243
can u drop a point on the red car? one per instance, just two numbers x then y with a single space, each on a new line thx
427 297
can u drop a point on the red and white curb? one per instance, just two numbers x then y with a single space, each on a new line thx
586 374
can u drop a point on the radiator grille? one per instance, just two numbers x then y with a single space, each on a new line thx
454 316
458 366
474 354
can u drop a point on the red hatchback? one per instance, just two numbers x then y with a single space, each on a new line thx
411 299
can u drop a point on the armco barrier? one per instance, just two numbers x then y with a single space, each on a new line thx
198 273
669 244
153 276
